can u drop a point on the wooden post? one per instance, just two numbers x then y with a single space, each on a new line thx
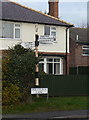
37 65
37 69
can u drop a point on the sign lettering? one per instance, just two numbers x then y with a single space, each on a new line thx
39 90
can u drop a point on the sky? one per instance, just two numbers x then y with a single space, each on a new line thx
72 11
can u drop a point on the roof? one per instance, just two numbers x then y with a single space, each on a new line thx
15 12
82 35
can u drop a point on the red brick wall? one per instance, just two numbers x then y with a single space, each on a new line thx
64 65
0 52
76 57
53 9
80 60
3 52
72 53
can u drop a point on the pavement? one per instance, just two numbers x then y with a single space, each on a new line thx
57 115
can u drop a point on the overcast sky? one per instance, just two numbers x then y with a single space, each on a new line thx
73 11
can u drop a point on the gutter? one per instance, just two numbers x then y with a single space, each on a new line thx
35 22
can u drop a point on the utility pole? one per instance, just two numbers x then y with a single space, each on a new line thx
37 65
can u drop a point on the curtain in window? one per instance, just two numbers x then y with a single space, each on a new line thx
56 68
7 30
17 33
47 30
0 29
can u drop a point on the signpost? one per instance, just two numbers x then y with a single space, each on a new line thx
42 40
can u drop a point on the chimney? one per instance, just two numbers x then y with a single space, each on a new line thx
53 8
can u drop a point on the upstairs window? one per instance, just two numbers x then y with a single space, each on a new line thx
10 30
85 50
50 30
47 30
53 31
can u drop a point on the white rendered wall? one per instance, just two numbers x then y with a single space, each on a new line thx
28 31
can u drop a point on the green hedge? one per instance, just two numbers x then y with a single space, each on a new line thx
71 85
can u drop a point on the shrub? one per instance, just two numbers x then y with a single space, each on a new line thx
10 94
18 67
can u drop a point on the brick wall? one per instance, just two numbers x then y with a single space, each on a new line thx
53 9
0 52
80 60
64 65
76 57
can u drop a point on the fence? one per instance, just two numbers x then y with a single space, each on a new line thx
71 85
80 70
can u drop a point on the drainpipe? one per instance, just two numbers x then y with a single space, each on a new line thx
66 49
67 46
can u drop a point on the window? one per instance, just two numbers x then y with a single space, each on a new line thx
47 30
9 30
41 65
17 30
85 50
50 31
52 65
0 29
53 32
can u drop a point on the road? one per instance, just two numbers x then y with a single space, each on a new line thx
57 115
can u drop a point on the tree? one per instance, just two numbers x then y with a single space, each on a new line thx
18 67
83 24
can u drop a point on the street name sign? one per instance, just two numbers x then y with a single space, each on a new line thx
46 39
39 90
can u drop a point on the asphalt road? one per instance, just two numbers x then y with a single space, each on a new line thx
57 115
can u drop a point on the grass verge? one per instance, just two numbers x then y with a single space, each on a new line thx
44 105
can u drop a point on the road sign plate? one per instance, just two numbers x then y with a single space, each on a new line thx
39 90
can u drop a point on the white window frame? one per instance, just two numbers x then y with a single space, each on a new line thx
53 62
13 30
51 30
16 27
85 47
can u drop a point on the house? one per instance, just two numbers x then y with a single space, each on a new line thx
79 48
20 24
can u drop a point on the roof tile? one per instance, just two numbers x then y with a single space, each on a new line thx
15 12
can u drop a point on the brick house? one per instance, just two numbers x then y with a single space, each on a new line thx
79 47
20 24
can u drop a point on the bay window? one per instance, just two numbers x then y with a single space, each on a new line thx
10 30
52 65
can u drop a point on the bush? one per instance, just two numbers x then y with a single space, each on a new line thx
18 67
10 94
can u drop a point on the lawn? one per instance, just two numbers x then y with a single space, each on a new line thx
52 104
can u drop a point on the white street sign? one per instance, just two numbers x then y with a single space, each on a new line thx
46 39
39 90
